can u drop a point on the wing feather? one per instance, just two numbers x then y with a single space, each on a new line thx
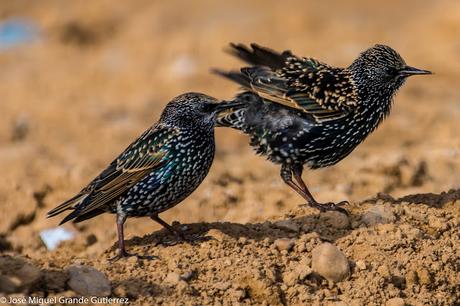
305 84
144 155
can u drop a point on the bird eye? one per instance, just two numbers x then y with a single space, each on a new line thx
393 72
208 107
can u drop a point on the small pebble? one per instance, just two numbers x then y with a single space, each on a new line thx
55 280
21 128
379 214
361 265
216 234
87 281
437 223
172 278
222 285
238 294
132 260
28 274
18 275
383 270
284 244
335 219
424 277
329 262
9 284
290 278
395 302
91 239
187 275
411 278
242 240
303 268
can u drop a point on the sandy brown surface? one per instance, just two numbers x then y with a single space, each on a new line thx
103 71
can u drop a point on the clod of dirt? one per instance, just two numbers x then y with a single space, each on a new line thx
5 245
80 34
172 278
329 262
287 225
361 265
395 302
425 277
284 244
335 219
384 271
187 275
91 239
20 128
55 280
88 281
17 274
379 214
216 234
411 278
299 273
222 285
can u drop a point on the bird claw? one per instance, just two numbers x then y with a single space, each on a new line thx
124 255
334 207
330 206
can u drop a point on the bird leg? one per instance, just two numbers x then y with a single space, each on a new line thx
121 218
302 190
286 175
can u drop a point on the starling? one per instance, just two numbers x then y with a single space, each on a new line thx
299 111
157 171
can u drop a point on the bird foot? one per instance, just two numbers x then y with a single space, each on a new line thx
330 206
123 254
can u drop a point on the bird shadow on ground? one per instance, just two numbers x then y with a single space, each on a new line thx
293 225
436 200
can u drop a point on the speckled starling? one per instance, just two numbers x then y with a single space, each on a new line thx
300 111
157 171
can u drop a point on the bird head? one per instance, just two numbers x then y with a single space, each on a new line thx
382 69
193 109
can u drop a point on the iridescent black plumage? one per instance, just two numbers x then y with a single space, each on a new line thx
157 171
299 111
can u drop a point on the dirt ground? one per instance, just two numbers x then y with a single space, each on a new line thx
102 71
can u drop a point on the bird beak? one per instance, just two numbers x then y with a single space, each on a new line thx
408 71
226 105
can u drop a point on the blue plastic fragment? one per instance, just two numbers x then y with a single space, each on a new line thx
16 31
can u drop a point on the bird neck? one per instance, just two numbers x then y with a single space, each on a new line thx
376 108
376 97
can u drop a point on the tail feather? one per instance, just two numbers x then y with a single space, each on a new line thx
76 215
69 204
260 56
234 76
88 215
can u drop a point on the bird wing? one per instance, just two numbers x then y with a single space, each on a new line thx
140 158
304 84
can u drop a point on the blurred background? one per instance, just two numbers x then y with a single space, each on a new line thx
81 79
